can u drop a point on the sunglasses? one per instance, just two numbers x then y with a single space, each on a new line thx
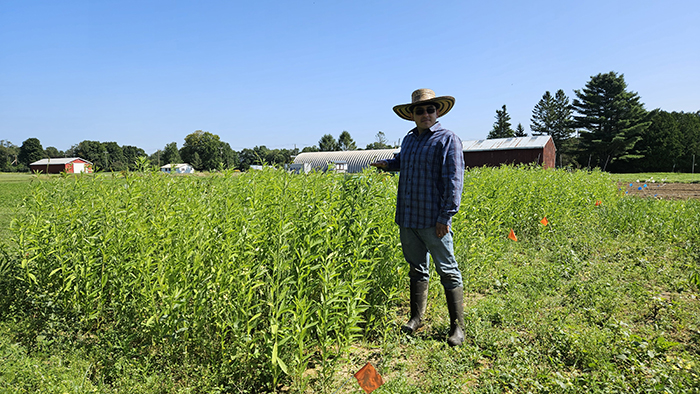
420 111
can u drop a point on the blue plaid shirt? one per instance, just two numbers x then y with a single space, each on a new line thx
431 169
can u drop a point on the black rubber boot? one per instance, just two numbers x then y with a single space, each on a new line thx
419 300
455 306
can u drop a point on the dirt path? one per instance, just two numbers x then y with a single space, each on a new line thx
675 191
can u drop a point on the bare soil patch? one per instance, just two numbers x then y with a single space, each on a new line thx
672 191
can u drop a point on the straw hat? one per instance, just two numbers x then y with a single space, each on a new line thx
422 97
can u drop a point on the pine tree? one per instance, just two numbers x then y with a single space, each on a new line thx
327 143
345 141
501 128
553 116
613 120
520 131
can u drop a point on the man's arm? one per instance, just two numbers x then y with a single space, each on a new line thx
388 164
453 179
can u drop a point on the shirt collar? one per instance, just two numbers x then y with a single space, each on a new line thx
432 129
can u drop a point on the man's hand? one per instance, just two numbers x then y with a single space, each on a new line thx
441 229
380 164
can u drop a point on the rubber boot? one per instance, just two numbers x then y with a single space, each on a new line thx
455 306
419 300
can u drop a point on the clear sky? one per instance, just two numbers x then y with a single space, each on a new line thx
284 73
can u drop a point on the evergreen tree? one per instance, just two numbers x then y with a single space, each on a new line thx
327 143
553 116
542 120
345 141
612 120
520 131
30 151
501 128
661 144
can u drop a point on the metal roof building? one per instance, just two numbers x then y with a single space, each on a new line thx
477 153
344 161
70 165
517 150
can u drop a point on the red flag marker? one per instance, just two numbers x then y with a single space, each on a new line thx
598 203
512 235
368 378
544 221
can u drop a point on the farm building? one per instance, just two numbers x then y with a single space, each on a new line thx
70 165
340 161
518 150
182 168
538 150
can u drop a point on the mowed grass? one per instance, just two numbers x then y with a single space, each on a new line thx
668 177
13 188
601 299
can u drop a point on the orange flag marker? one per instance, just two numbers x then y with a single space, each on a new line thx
512 235
368 378
544 221
598 202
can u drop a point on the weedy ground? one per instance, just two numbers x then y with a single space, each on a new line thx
275 282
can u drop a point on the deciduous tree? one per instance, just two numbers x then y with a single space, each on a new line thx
380 142
53 152
30 151
171 155
211 151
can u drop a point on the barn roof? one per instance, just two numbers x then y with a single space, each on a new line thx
506 143
57 160
355 159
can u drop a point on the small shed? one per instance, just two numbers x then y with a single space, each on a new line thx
517 150
351 161
182 168
57 165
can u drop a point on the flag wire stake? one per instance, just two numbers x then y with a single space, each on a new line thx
346 382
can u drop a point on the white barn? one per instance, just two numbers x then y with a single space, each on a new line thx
182 168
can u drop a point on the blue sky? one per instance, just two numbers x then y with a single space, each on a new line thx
284 73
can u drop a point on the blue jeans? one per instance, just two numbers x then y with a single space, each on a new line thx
416 243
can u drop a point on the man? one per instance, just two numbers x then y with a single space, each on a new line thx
431 165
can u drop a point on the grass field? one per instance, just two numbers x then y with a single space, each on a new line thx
268 281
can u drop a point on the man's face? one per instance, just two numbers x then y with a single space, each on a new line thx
425 116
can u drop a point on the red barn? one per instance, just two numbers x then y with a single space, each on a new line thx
70 165
518 150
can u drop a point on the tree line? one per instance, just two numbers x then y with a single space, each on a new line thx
607 126
203 150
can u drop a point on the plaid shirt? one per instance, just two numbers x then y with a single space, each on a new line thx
431 169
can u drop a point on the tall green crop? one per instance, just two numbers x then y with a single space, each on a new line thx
264 275
256 273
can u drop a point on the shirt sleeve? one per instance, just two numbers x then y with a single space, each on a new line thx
452 179
395 163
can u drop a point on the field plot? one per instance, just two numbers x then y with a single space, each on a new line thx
268 281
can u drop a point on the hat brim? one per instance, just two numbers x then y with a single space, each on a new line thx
444 105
